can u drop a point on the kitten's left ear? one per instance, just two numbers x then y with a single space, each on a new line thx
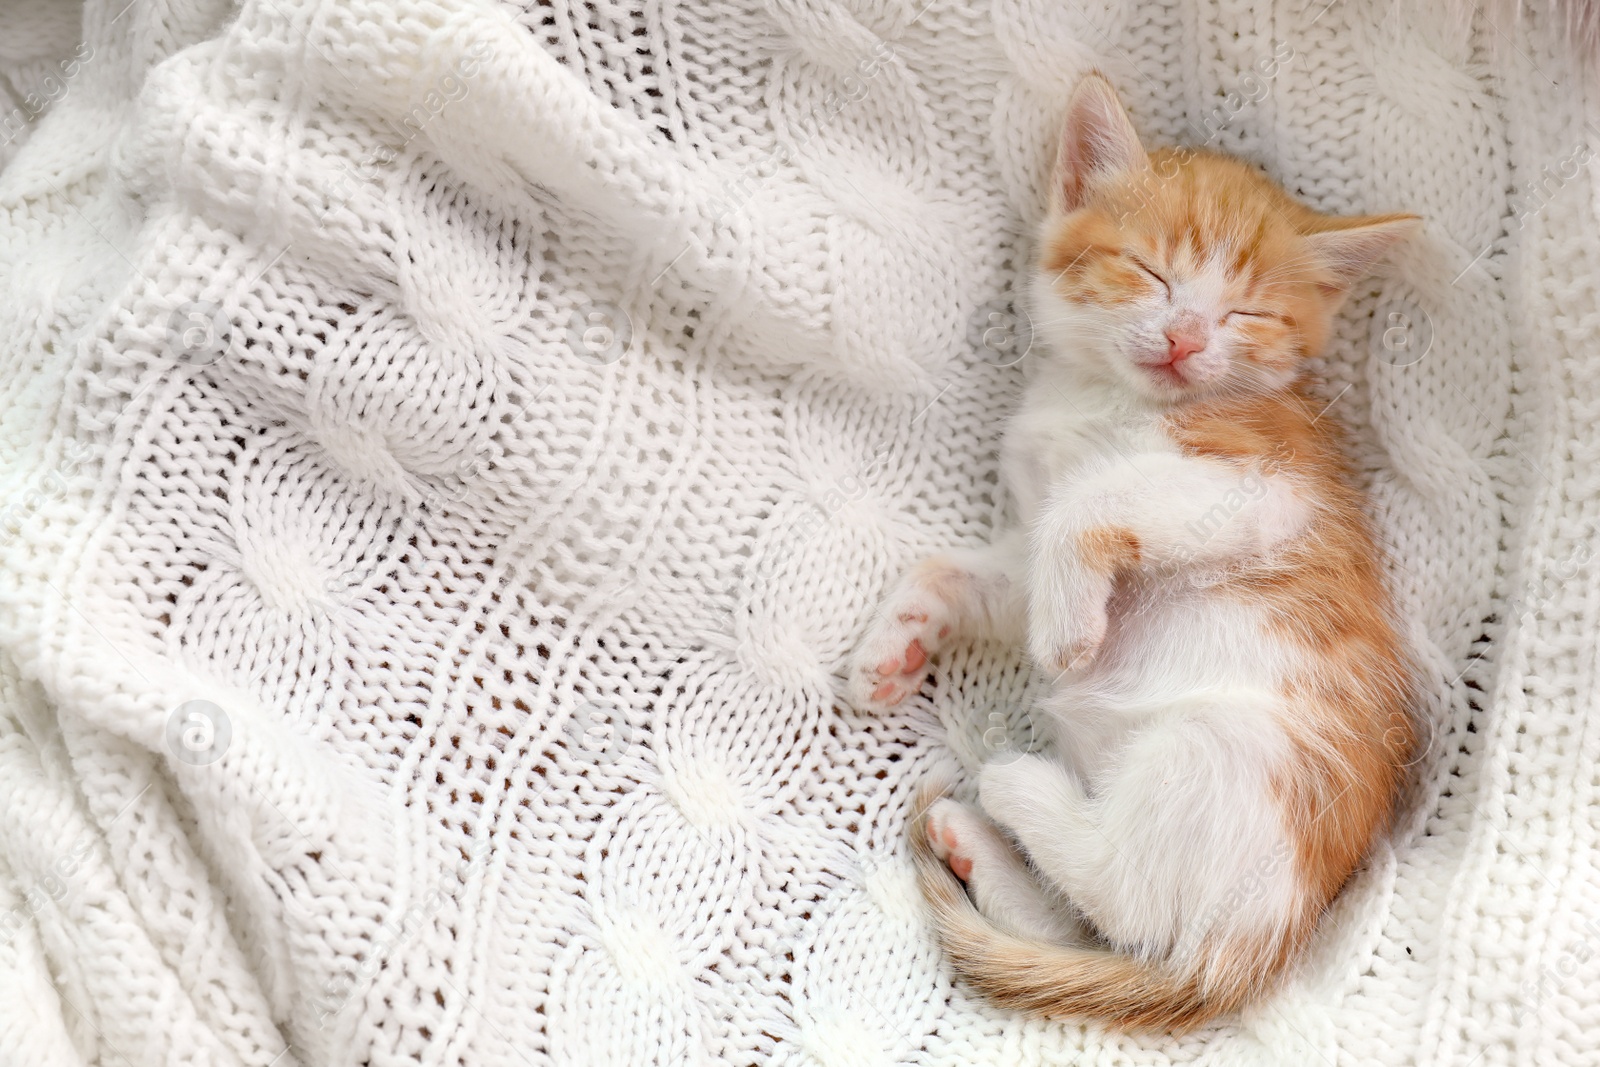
1097 142
1348 252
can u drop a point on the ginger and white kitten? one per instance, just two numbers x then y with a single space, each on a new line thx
1231 711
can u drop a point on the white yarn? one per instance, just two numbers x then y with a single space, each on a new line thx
429 544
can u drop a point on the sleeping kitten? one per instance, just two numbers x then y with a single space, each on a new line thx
1231 710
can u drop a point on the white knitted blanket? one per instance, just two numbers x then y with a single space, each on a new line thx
447 453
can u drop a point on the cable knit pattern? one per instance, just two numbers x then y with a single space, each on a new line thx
449 451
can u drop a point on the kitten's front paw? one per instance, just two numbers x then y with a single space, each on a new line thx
1060 641
891 663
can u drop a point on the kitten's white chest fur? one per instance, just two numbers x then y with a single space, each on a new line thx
1066 426
1183 673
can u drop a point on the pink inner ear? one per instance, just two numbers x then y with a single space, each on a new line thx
1350 253
1097 141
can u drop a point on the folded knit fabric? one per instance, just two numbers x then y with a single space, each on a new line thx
447 452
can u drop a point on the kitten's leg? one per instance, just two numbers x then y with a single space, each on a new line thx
964 593
1183 834
1160 515
1002 886
1042 805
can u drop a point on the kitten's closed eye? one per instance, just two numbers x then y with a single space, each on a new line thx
1142 265
1252 315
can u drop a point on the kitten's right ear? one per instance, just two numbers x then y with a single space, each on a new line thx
1348 247
1098 142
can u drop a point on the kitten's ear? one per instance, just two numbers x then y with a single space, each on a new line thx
1098 141
1349 251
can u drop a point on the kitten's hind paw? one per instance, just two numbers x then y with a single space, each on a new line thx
953 831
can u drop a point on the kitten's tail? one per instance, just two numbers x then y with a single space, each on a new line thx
1049 979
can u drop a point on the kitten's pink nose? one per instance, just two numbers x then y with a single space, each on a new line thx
1180 346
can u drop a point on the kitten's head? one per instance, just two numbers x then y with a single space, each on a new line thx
1184 274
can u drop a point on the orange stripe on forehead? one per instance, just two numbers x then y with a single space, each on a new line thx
1191 240
1248 248
1072 247
1062 253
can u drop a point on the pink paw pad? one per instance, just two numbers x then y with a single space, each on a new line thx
900 655
960 866
912 660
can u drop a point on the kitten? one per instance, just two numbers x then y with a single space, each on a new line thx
1231 710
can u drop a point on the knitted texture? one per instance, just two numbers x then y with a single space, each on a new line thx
447 453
